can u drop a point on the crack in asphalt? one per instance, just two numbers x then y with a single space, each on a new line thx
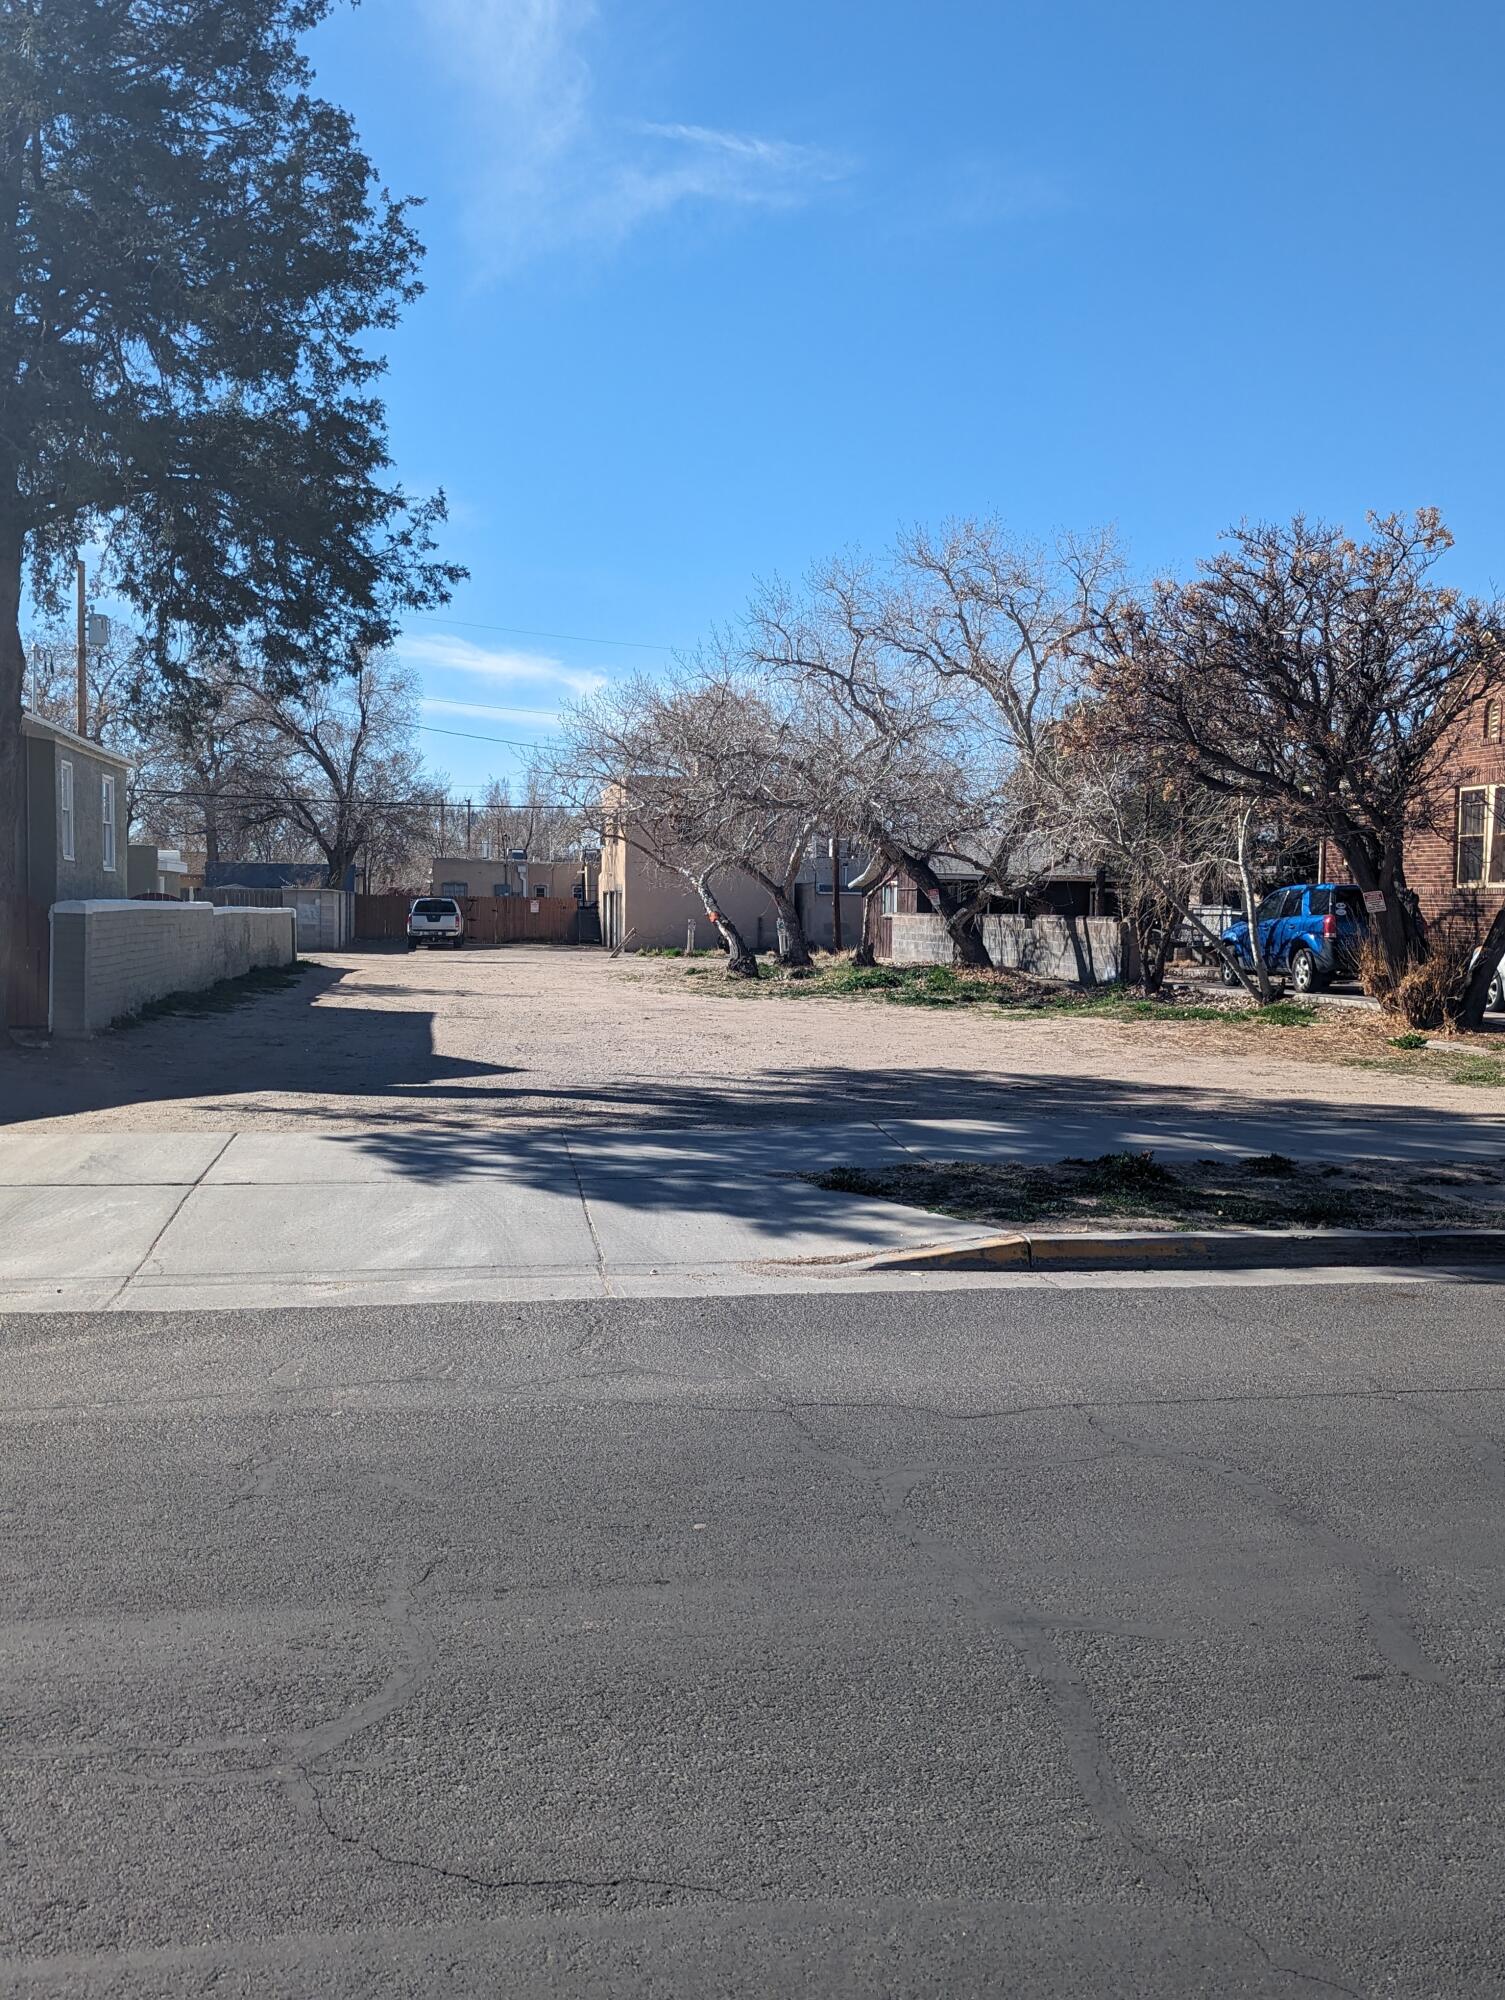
304 1765
1380 1589
498 1883
1077 1405
1032 1634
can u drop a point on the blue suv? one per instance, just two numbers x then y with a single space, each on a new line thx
1310 933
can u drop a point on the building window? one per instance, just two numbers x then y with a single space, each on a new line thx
1473 822
65 807
455 889
107 822
1480 846
1491 721
890 903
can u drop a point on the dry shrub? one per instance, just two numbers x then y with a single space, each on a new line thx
1429 994
1374 973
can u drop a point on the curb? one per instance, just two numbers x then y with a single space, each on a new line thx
1209 1249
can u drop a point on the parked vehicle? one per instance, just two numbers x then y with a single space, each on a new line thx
1495 1001
1309 932
436 920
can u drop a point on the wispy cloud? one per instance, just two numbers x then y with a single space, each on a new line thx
978 191
502 667
550 170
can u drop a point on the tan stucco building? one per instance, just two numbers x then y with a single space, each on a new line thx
645 905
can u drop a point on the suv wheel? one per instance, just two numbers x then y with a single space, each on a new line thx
1230 977
1496 999
1305 977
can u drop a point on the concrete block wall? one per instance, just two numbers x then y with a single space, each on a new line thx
109 958
1086 951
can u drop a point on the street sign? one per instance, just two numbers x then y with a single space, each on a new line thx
1374 901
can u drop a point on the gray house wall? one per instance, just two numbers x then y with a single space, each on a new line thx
49 877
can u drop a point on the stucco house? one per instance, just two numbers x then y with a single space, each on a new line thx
492 875
156 871
644 905
75 820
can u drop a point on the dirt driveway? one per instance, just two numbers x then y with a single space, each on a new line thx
528 1036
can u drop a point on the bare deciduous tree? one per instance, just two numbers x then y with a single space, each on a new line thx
657 764
347 779
1319 673
943 667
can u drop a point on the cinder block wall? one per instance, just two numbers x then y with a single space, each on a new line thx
1087 951
109 958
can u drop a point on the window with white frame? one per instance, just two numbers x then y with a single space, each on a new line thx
890 903
1479 842
107 822
65 807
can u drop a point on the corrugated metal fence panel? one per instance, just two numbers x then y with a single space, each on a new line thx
26 957
242 899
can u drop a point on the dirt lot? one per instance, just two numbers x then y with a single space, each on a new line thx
532 1036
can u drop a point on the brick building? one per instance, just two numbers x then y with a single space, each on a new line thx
1455 852
1455 846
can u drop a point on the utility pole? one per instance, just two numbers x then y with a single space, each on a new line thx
836 892
467 828
83 650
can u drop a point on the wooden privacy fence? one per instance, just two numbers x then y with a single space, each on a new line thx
488 919
26 959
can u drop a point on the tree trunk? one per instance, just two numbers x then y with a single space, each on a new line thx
741 962
1383 872
960 913
211 832
13 883
1251 915
1476 993
795 949
1154 935
867 946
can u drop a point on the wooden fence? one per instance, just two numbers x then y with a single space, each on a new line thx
488 919
27 939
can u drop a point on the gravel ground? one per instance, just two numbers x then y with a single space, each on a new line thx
533 1036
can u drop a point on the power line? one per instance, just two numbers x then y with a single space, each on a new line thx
361 803
491 707
469 736
527 632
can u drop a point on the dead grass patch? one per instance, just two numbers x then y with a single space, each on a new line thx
1139 1191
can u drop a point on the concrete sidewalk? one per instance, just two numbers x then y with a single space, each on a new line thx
175 1221
200 1220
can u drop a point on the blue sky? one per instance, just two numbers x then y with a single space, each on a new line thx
715 289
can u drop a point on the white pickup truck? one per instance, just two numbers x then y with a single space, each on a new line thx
436 920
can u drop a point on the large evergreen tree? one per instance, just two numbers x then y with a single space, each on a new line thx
194 254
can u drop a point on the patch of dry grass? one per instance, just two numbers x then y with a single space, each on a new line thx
1139 1191
1204 1020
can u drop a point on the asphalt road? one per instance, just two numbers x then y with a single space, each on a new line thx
1117 1642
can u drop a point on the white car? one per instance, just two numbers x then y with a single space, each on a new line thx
436 920
1495 1000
